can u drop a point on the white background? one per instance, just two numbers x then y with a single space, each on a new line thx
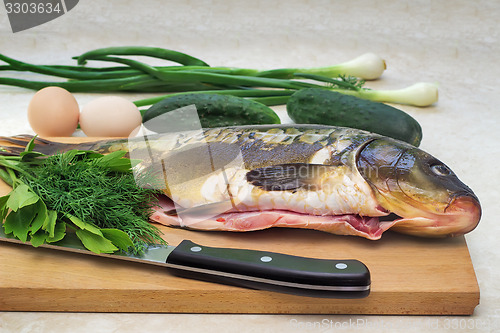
453 43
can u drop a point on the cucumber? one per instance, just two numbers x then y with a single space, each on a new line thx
326 107
213 111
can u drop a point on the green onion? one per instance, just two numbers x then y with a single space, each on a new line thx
193 75
154 52
70 72
368 66
253 93
418 94
128 83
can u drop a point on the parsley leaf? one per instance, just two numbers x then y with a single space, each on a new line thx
18 222
95 243
20 197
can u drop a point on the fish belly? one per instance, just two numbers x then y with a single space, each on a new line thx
205 178
349 224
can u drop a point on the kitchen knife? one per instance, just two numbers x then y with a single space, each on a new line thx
247 268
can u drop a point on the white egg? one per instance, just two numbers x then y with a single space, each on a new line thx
110 116
53 111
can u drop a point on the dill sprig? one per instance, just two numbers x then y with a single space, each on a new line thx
87 188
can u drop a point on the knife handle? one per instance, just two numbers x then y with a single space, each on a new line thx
271 271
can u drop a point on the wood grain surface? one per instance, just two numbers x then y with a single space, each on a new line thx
409 276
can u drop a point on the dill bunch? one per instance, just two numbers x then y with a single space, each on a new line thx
97 189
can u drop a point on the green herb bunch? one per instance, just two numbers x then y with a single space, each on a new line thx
93 195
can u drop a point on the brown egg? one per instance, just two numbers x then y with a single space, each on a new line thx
53 111
110 116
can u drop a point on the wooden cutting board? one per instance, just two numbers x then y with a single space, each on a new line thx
409 276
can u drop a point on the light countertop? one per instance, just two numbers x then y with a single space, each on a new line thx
453 43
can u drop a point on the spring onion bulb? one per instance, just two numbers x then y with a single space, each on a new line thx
368 66
419 94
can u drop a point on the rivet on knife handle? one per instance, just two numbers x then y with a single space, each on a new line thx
271 271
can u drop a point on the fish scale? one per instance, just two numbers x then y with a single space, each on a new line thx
259 147
334 179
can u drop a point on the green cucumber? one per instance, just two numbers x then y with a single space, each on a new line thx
326 107
213 111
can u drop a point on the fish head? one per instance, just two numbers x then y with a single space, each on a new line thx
422 191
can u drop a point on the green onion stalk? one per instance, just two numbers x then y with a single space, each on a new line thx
190 74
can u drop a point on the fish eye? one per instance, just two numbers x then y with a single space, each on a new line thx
440 169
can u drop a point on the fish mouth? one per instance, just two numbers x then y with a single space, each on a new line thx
460 216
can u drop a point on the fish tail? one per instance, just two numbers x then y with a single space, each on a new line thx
15 145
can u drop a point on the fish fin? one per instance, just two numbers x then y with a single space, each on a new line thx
287 177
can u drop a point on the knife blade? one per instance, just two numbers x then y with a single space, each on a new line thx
254 269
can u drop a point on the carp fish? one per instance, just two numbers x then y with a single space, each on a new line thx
334 179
